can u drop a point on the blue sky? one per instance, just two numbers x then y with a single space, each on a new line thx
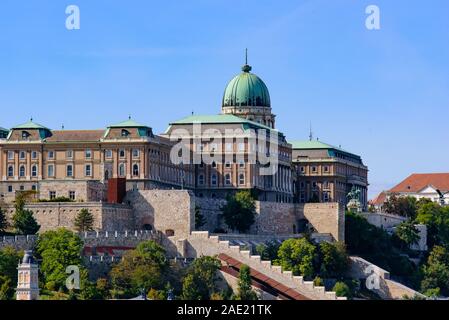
382 94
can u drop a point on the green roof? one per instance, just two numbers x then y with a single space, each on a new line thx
128 124
3 129
316 144
30 125
219 119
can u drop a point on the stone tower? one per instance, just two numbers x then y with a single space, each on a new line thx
28 282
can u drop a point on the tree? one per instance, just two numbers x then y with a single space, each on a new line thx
268 250
245 291
199 218
9 259
58 249
436 271
23 220
342 290
200 280
403 206
436 218
140 269
407 233
298 256
334 260
84 220
239 211
3 222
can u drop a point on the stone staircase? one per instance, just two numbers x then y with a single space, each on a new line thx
204 244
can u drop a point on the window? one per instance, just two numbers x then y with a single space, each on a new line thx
51 154
33 154
25 135
326 196
213 179
51 170
121 170
214 164
241 147
227 179
52 195
22 155
21 188
326 168
121 153
241 178
228 164
314 186
10 171
33 187
88 170
69 170
108 154
242 163
22 171
9 188
72 195
106 175
302 169
136 153
326 185
88 154
34 171
135 169
10 155
228 147
69 154
313 169
201 179
125 133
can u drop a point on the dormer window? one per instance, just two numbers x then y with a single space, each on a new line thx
25 135
125 133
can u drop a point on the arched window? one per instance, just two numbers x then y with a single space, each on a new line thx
22 171
201 179
241 178
135 169
10 171
69 170
106 175
121 170
214 164
125 133
227 178
34 171
213 179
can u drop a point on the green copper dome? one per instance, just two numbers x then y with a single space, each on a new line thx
246 89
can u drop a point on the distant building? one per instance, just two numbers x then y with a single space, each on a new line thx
325 173
418 185
28 281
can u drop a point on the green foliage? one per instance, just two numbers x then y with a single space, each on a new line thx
318 282
84 221
245 291
58 249
200 280
199 218
298 256
403 206
268 250
239 211
377 246
3 222
9 259
407 233
433 293
6 288
140 269
342 290
436 271
334 260
436 218
23 220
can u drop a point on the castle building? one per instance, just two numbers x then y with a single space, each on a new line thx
28 281
238 149
325 173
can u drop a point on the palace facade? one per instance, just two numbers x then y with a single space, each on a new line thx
240 148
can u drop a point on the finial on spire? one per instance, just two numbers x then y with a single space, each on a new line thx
246 68
62 127
129 117
31 119
310 133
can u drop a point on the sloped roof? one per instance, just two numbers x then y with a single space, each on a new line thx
418 181
75 135
3 129
380 199
128 124
219 119
314 144
30 125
